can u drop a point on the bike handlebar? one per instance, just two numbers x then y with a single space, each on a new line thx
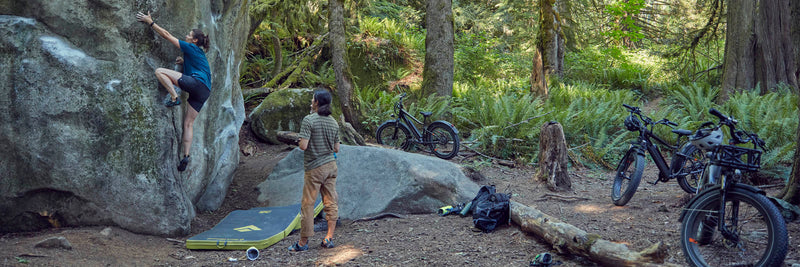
738 137
648 120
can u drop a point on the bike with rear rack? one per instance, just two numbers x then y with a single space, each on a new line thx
729 223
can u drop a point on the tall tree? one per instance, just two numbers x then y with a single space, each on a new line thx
791 193
341 66
758 48
548 57
437 75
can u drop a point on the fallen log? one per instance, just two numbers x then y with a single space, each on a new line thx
287 137
568 239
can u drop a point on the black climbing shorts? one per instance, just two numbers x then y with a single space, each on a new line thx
198 92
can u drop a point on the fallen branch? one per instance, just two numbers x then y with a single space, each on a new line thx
499 161
31 255
175 240
563 198
254 92
288 137
525 121
568 239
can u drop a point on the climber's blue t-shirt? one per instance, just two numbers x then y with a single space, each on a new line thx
195 63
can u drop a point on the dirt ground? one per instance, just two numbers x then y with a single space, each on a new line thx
417 240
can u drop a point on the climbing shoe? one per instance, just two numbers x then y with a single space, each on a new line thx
298 247
169 103
183 164
327 243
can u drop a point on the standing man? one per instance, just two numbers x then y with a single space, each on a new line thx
319 140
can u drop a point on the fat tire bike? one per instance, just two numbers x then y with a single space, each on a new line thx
686 166
440 137
729 223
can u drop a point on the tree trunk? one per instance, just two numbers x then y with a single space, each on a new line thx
796 38
568 239
553 158
349 135
277 56
758 47
790 192
538 79
341 66
549 48
437 74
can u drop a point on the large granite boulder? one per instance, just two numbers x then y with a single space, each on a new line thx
282 110
85 138
375 180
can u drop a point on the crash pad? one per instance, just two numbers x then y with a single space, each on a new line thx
258 227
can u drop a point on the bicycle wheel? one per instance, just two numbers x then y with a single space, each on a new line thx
629 174
688 166
442 139
758 238
392 134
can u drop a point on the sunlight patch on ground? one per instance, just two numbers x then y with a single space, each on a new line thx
339 255
590 208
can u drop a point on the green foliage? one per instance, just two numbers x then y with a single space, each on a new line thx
502 122
676 65
592 120
387 10
623 13
255 71
691 103
410 39
615 68
474 58
376 106
322 76
290 17
773 116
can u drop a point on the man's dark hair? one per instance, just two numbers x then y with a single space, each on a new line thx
323 98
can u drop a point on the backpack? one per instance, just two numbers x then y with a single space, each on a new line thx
490 209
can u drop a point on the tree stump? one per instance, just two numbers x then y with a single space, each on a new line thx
553 158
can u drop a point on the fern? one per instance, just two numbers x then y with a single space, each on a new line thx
692 102
773 116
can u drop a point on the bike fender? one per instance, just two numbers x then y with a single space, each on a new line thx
445 123
393 121
714 188
639 148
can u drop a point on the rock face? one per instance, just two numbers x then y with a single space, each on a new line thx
375 180
282 110
84 136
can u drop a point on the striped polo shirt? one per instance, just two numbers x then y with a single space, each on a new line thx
322 133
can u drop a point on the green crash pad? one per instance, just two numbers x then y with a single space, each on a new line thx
257 227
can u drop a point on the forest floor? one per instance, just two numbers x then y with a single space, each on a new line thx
417 240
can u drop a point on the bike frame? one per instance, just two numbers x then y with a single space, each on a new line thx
403 117
646 145
655 153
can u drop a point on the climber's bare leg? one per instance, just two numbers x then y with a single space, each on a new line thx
168 78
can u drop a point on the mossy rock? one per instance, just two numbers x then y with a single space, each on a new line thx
280 111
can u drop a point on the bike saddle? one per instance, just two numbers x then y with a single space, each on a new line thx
682 132
426 113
